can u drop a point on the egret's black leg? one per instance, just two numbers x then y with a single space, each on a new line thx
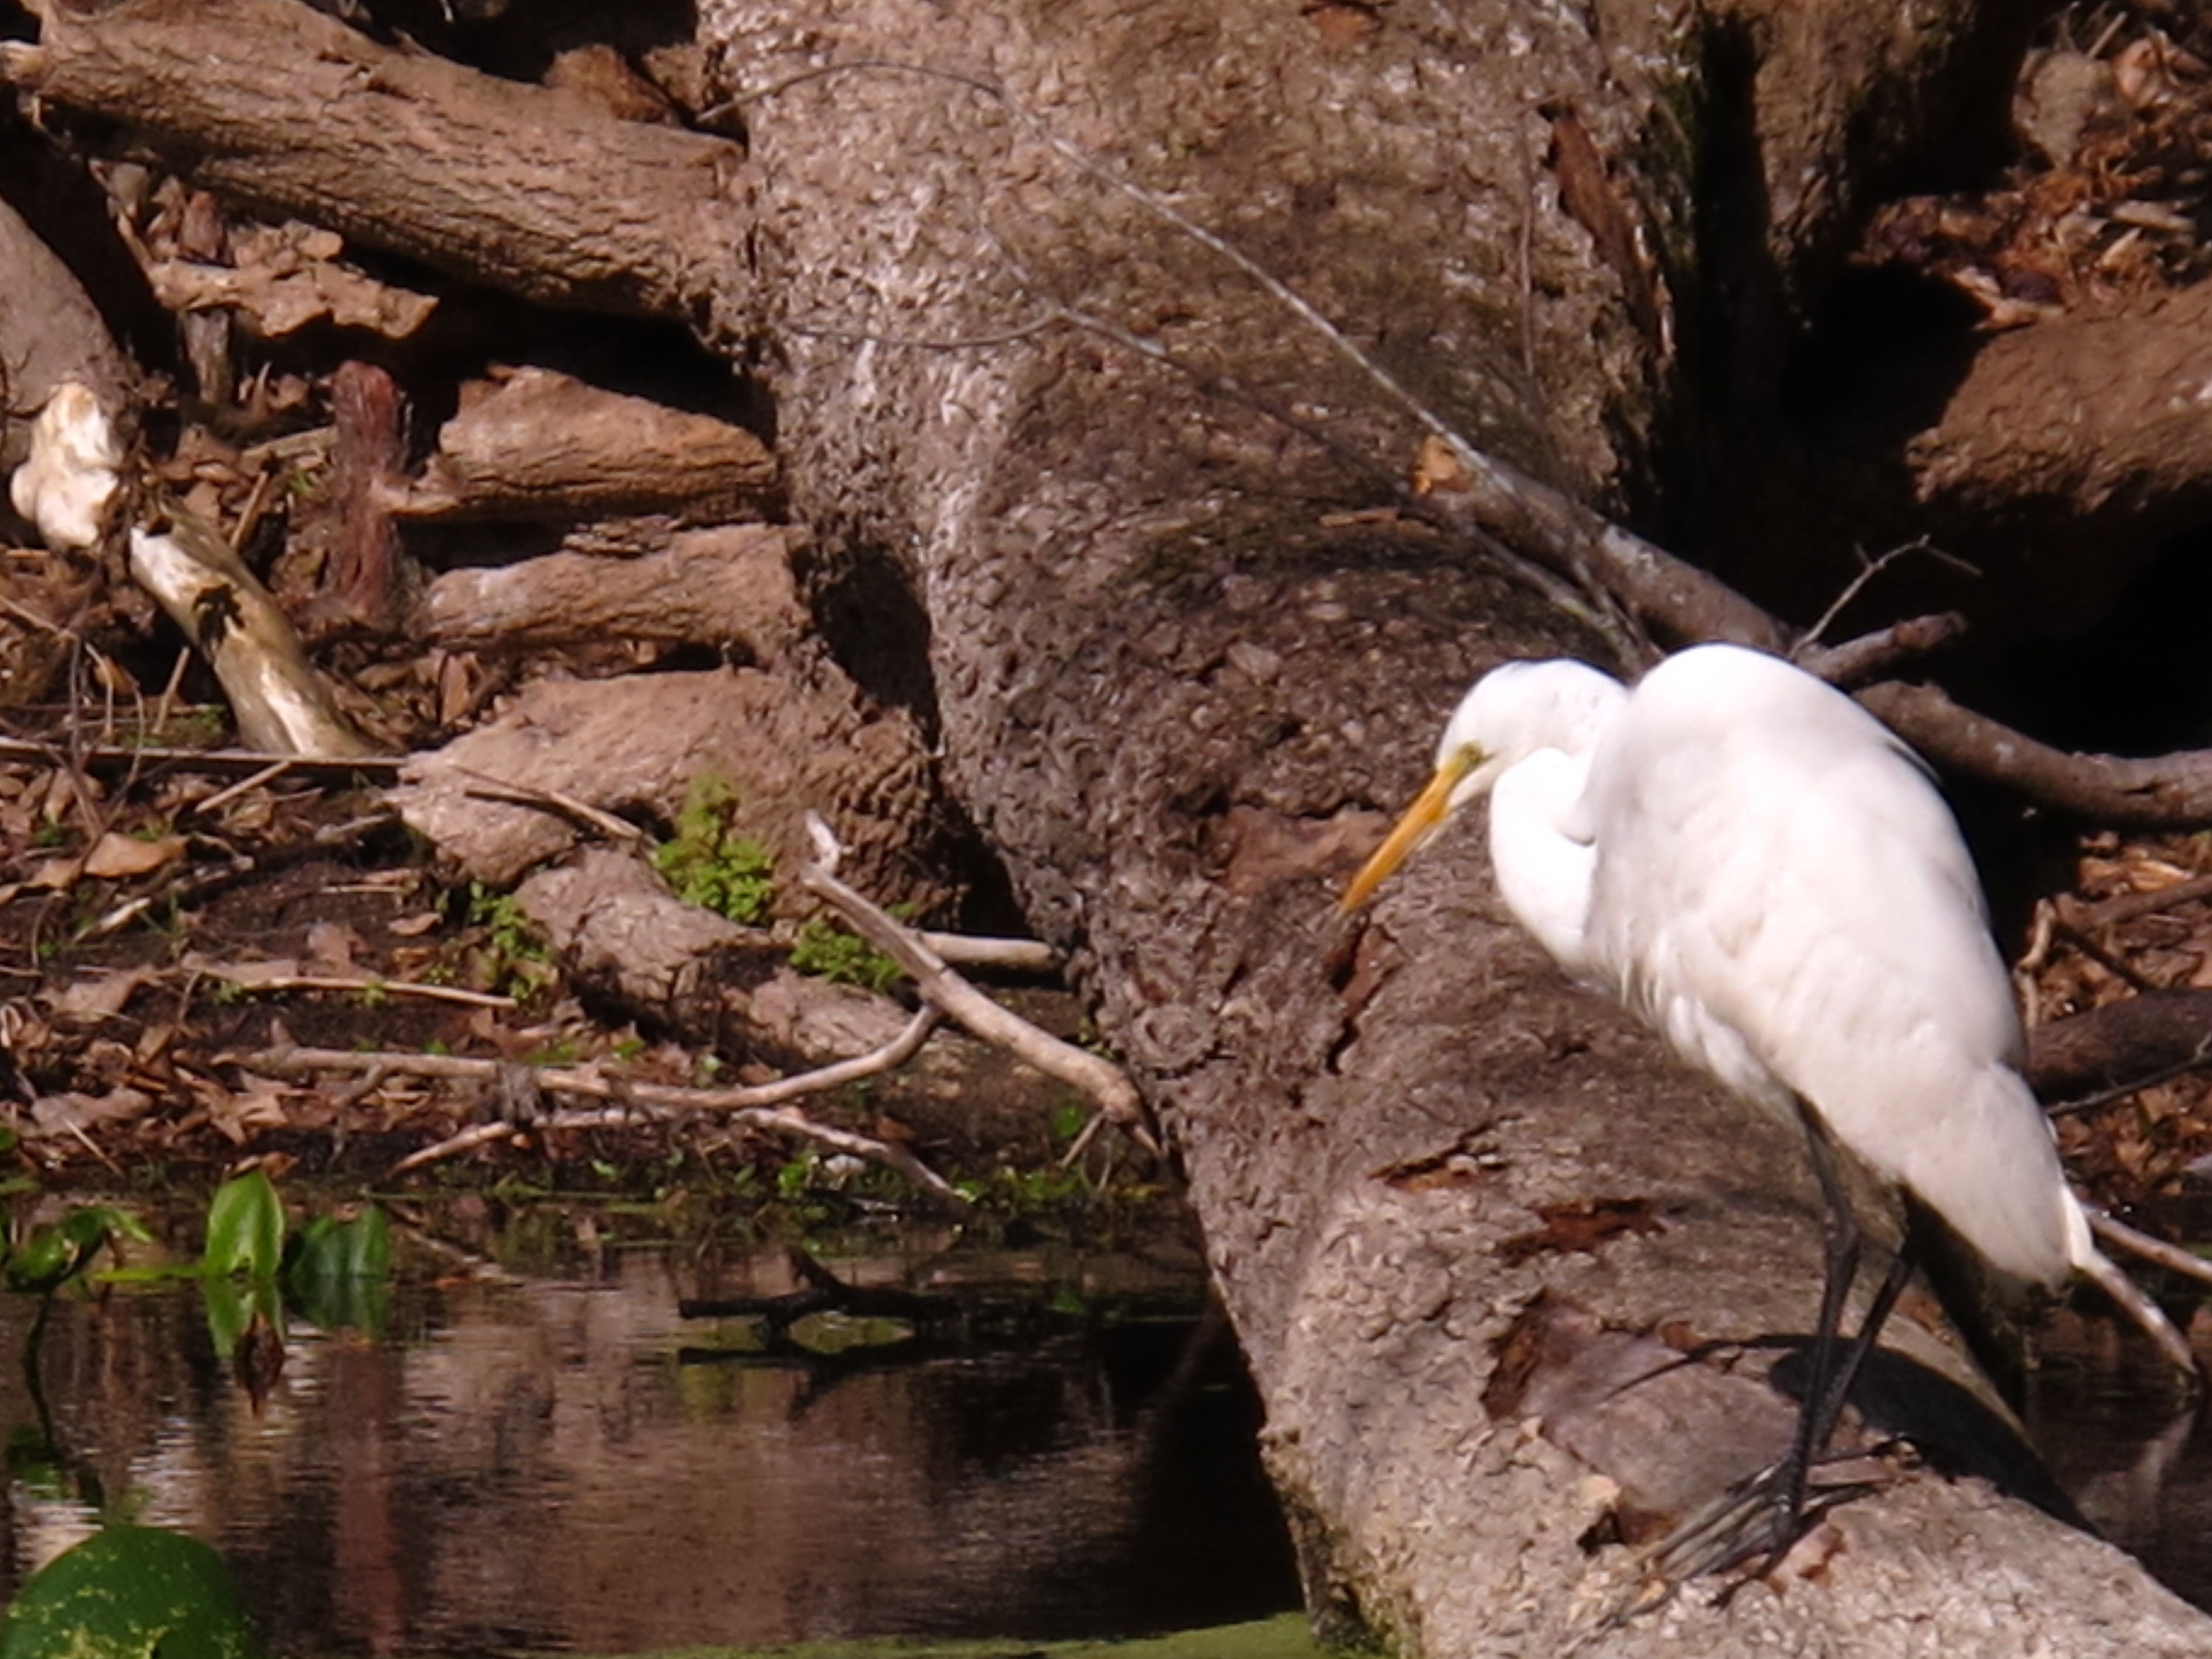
1758 1520
1869 1332
1841 1240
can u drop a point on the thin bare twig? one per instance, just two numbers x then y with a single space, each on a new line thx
1026 956
381 768
2121 1237
760 1107
1107 1085
619 831
358 983
230 791
1868 569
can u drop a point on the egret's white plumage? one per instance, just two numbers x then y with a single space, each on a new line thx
1761 871
1758 868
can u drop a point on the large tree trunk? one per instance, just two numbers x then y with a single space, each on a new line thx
1175 678
1181 650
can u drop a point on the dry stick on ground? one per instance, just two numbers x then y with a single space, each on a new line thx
2083 1058
358 983
1026 956
114 757
761 1107
2129 907
1107 1085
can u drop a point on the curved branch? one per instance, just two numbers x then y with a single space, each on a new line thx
2168 792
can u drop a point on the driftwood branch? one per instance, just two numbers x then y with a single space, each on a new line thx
513 185
730 585
1107 1086
1884 652
281 702
2171 790
541 445
762 1107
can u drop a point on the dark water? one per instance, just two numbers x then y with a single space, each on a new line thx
560 1461
2135 1459
553 1458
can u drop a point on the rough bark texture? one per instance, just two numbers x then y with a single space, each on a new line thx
1181 653
1171 678
538 445
729 586
499 800
279 104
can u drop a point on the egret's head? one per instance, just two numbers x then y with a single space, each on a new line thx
1512 712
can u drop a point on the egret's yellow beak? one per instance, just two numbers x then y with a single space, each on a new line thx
1422 819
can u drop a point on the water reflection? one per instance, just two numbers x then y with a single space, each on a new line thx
540 1463
2104 1413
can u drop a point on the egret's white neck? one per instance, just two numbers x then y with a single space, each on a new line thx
1543 854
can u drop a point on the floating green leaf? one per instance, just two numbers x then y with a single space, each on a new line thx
244 1229
54 1254
129 1593
338 1273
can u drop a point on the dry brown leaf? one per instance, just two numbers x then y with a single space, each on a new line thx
58 874
331 947
280 302
98 995
73 1113
116 856
238 1115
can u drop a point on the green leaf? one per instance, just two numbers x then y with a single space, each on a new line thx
54 1254
129 1593
827 951
246 1228
339 1273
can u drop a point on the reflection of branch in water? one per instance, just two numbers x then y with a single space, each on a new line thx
2126 1504
825 1292
79 1478
942 1326
638 1102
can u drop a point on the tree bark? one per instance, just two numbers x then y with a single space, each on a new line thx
1185 645
1182 651
279 106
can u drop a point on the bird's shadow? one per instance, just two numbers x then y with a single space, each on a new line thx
1956 1432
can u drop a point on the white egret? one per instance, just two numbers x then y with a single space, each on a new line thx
1756 867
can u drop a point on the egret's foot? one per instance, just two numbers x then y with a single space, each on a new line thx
1753 1524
